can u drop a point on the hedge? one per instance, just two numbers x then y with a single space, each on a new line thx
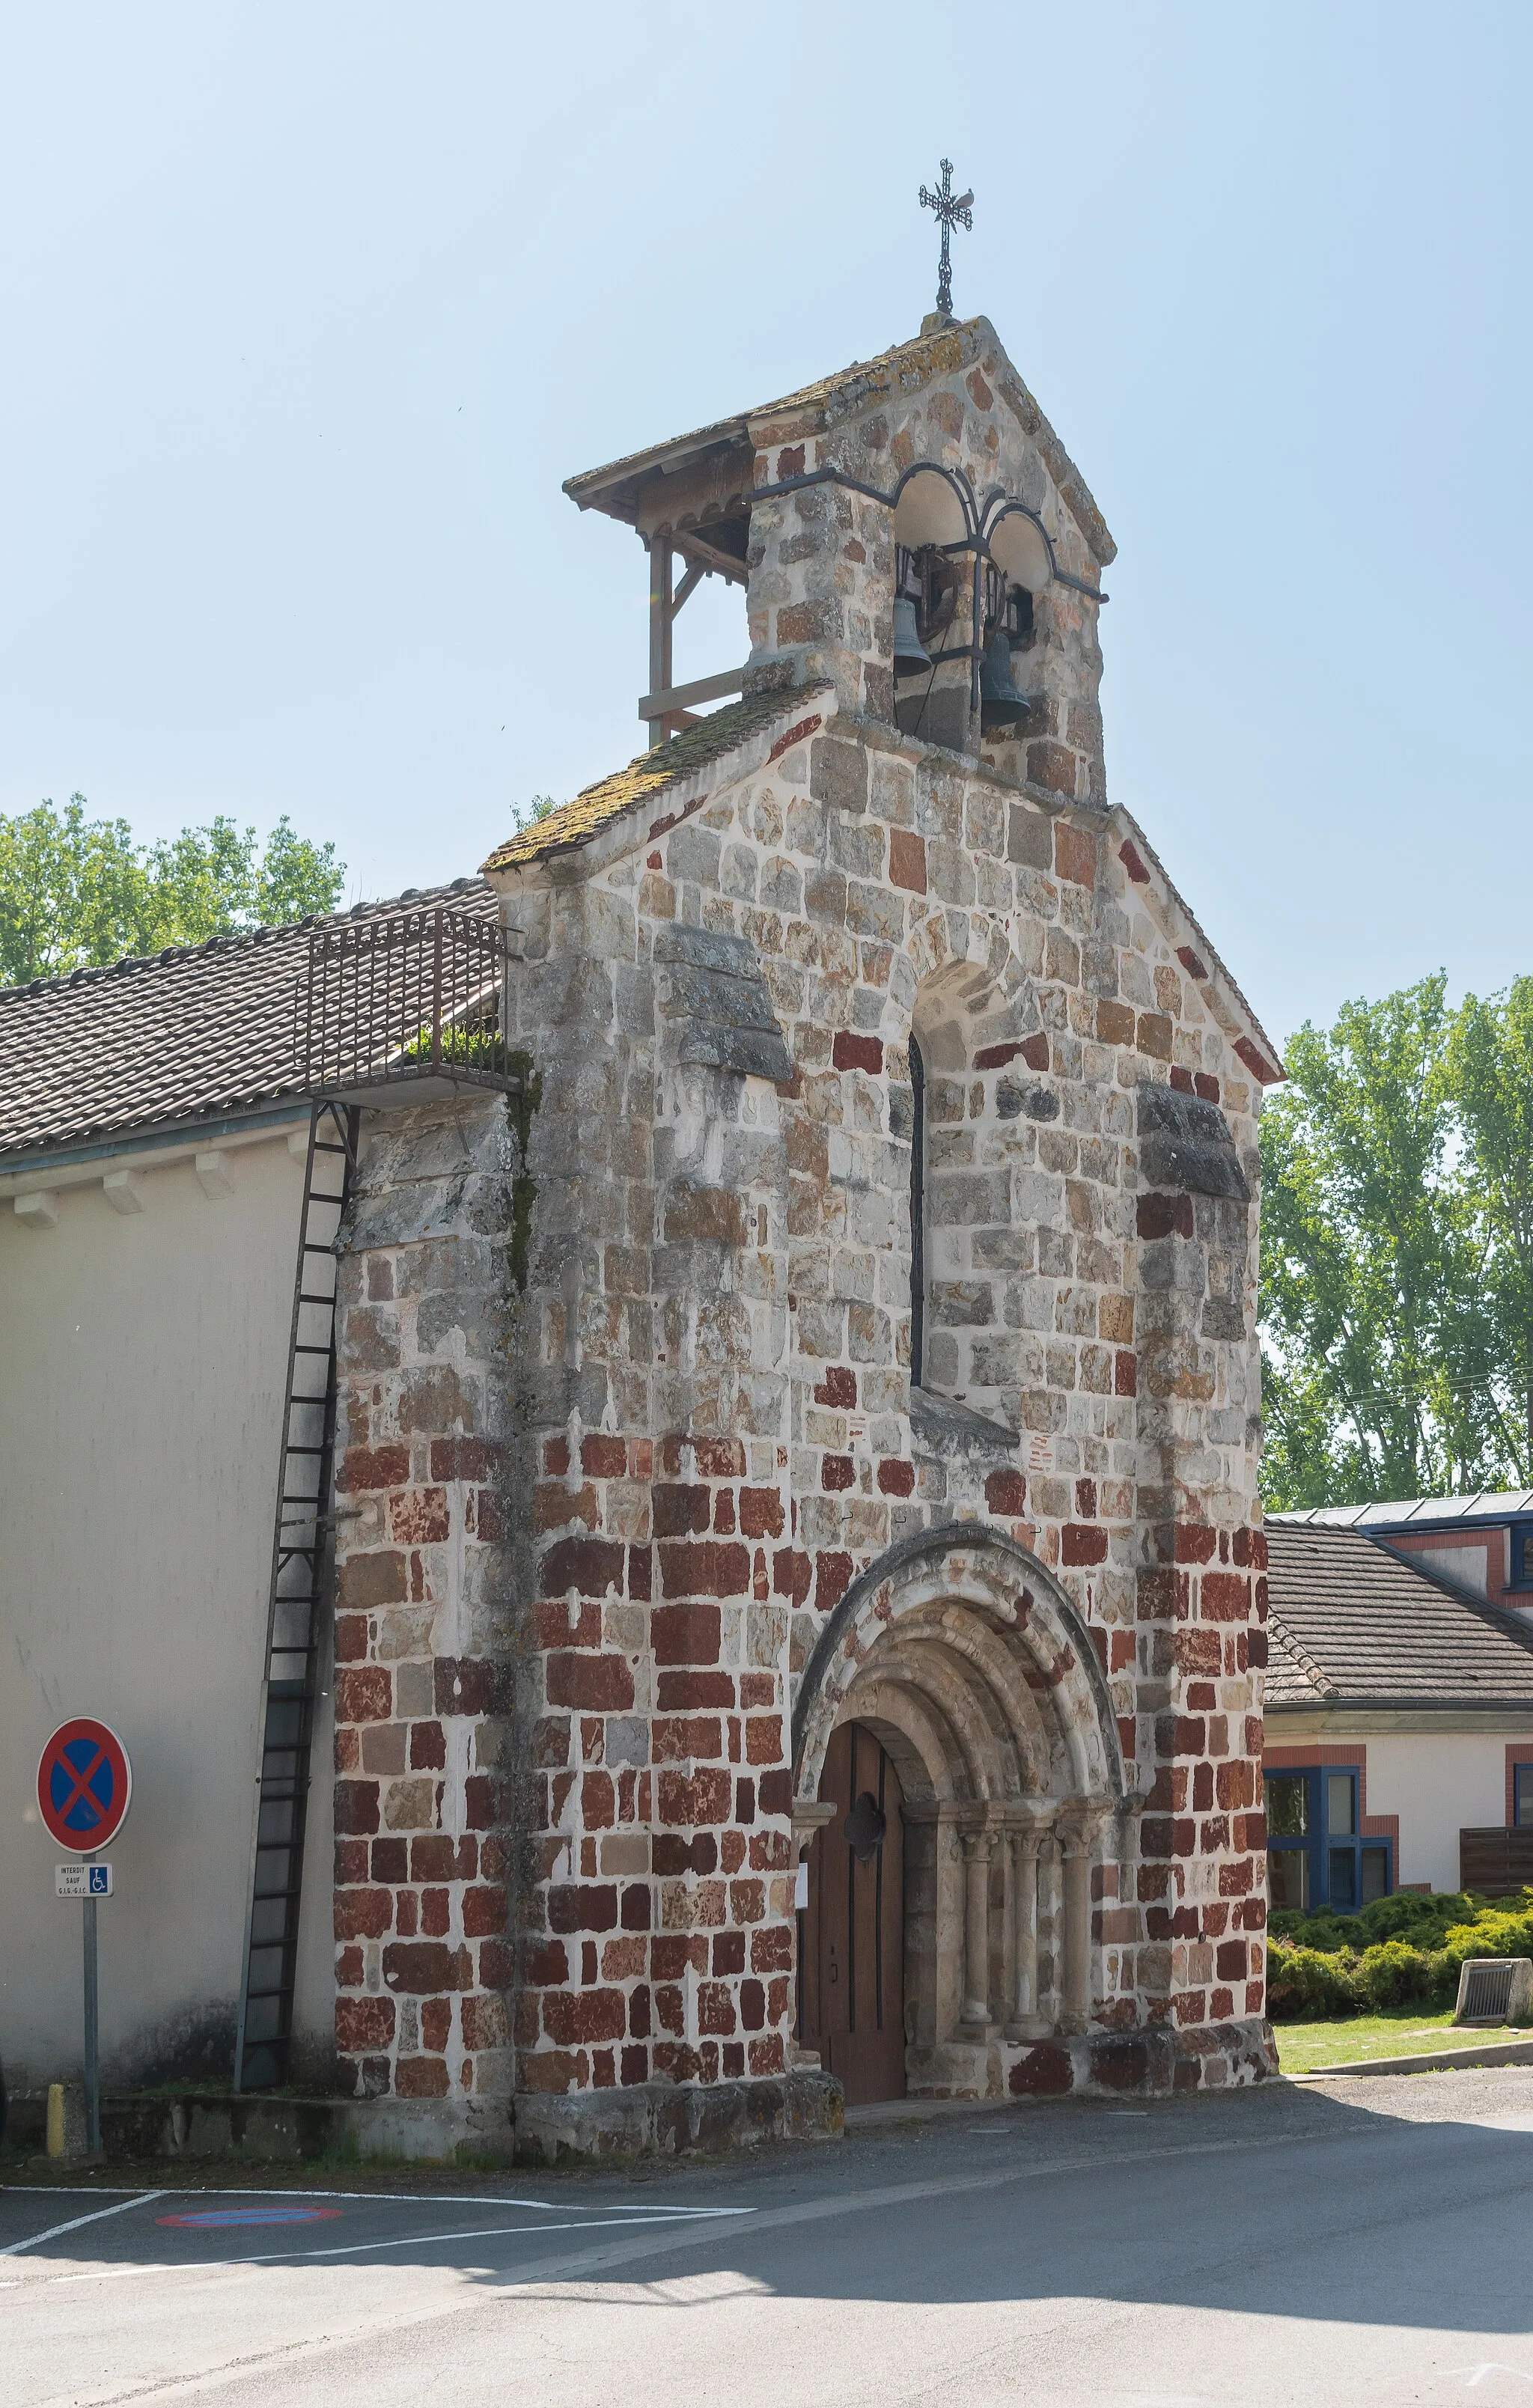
1413 1948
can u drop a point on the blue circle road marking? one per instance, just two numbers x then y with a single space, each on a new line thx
222 2219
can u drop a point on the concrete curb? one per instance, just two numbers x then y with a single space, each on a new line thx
1439 2060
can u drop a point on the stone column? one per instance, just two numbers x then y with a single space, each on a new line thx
1025 2023
1048 2008
1078 1832
977 1847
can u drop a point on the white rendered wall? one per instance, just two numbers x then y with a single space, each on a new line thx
142 1359
1437 1783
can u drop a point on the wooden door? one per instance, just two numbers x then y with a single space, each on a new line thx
852 1948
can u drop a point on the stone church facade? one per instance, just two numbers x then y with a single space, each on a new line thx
839 1353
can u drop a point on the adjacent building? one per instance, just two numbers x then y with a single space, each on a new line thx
1399 1749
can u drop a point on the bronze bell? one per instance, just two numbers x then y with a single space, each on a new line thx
999 701
911 654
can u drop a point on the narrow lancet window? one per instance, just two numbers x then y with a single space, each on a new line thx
918 1215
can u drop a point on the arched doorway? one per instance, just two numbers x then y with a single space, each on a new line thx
968 1679
854 1948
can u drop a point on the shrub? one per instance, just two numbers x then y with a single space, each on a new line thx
1309 1983
1394 1973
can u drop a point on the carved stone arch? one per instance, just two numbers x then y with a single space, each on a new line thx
960 1650
971 1564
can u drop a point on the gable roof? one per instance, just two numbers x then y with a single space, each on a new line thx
651 775
182 1036
939 352
1351 1621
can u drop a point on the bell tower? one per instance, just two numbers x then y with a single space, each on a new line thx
909 532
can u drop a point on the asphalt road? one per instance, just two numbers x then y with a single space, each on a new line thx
1370 2241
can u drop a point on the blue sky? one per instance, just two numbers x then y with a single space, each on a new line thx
308 311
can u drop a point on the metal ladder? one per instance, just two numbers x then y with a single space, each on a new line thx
299 1562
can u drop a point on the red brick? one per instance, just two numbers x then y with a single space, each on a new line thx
437 2023
851 1052
423 1967
362 1913
839 1388
1129 854
685 1634
421 2077
1005 1492
601 1685
364 1695
774 1792
483 1911
1125 1374
1224 1597
427 1747
705 1568
1081 1544
435 1858
896 1479
570 2016
906 861
684 1800
832 1579
363 2022
363 1468
791 1573
835 1472
603 1456
715 2008
1164 1216
350 1637
420 1517
574 1906
680 1693
1075 849
761 1512
554 2071
680 1508
464 1458
356 1807
763 1739
589 1567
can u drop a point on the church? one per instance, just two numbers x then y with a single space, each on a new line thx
731 1579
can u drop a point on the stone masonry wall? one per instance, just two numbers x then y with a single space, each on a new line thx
718 1377
424 1640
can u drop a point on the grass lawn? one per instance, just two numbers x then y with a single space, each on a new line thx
1409 2033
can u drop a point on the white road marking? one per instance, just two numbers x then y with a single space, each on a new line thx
357 2248
36 2240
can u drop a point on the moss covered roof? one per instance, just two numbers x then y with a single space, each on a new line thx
644 780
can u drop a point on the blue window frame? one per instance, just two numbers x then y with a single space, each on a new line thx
1522 1554
1316 1854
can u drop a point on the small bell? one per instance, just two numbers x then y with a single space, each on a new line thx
999 701
911 654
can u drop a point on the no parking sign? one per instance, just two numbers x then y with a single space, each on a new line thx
84 1785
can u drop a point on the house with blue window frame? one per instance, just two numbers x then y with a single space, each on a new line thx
1398 1745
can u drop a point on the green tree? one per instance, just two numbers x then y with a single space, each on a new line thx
1376 1320
75 892
1489 1072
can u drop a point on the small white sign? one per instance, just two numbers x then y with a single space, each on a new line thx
82 1881
801 1884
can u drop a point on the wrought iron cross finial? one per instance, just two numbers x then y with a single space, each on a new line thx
950 213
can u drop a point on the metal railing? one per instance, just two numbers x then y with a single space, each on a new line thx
417 995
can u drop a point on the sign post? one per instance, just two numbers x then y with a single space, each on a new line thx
84 1789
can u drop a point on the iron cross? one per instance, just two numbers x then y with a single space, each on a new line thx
950 213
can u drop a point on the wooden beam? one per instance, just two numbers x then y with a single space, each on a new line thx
688 586
661 612
696 547
668 701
